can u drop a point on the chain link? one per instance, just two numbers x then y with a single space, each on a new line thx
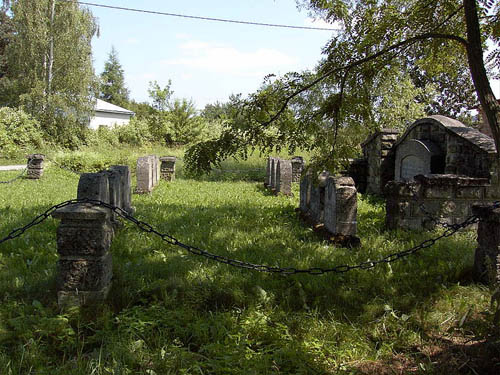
148 228
15 178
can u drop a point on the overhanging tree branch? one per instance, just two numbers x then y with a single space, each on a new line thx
425 36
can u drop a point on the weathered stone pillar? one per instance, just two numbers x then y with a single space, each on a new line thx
144 175
35 166
83 241
317 199
274 165
268 181
487 256
341 206
125 187
297 168
167 170
154 169
284 177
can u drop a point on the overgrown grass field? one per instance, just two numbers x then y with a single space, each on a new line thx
170 312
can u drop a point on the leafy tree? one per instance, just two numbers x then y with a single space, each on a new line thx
430 51
159 96
50 69
6 34
113 89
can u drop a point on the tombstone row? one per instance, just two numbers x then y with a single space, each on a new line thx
150 169
281 173
331 201
84 236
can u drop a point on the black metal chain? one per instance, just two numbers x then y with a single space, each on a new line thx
238 263
15 178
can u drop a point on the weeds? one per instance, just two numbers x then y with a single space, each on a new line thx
173 313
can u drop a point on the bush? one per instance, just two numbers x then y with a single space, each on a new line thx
19 132
135 133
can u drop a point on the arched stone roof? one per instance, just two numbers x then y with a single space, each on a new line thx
480 140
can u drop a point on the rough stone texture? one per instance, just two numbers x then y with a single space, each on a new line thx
268 181
298 165
448 198
274 165
144 174
125 188
167 170
35 166
305 193
317 198
83 241
380 159
487 256
94 186
340 207
284 177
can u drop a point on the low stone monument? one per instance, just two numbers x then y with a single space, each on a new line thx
274 165
284 177
125 187
268 181
298 165
167 170
317 198
340 208
487 256
145 175
83 241
35 166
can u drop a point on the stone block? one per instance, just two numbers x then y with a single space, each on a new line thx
472 192
84 274
167 170
298 165
315 204
268 181
94 186
80 238
35 166
144 174
78 298
274 165
284 177
125 188
340 208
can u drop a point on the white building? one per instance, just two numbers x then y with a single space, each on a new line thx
108 114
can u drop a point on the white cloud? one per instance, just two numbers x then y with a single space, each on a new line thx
220 58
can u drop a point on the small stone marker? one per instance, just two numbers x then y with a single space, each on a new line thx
340 209
144 175
35 166
274 162
268 181
297 168
317 199
167 170
94 186
125 188
284 177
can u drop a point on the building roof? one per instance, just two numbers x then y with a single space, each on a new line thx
102 106
480 140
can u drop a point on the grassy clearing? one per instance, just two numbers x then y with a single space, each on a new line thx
173 313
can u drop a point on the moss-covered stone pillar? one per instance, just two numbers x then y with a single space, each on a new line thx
35 166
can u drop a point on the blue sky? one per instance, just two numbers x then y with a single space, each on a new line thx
206 61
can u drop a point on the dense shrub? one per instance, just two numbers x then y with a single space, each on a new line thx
135 133
19 132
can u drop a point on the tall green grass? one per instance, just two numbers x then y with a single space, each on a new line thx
170 312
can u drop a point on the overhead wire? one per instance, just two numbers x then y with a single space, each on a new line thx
202 17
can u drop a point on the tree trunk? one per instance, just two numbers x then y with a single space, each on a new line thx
50 62
478 72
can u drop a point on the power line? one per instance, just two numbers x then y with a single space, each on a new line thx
204 18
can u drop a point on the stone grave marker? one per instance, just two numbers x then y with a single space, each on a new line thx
144 174
284 177
340 208
35 166
167 170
